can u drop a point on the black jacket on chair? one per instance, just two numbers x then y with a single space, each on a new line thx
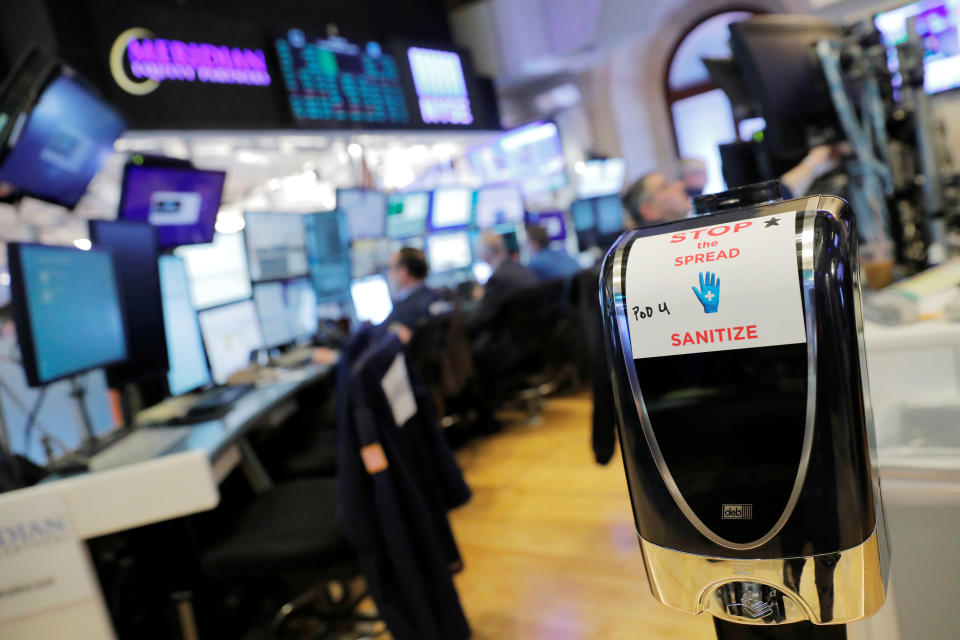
395 485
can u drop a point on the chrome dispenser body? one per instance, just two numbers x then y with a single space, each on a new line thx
744 416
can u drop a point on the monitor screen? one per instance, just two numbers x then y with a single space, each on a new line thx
335 82
452 208
440 85
217 271
553 222
371 299
601 177
181 202
272 311
57 416
449 251
368 257
64 141
407 214
134 248
188 362
937 26
609 213
230 333
276 245
530 155
328 254
301 303
584 217
499 205
365 212
66 305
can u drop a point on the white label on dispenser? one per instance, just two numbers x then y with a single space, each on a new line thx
726 286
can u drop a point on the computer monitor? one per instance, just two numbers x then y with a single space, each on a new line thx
609 212
498 205
272 311
452 208
371 299
188 362
407 214
369 256
217 271
134 248
56 419
181 202
276 245
584 216
365 211
230 333
67 310
553 222
601 177
937 25
301 305
328 254
62 142
449 251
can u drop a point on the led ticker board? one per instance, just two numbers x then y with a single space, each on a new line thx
333 81
441 88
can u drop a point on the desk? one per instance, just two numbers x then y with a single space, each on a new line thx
180 482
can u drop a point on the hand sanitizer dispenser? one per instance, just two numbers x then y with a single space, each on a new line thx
734 340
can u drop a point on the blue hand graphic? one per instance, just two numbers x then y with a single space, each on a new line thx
709 293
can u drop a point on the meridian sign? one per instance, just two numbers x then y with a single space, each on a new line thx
139 62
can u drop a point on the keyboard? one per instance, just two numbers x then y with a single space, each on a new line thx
217 400
295 357
138 446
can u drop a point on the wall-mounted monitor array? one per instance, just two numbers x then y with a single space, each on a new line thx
938 26
407 214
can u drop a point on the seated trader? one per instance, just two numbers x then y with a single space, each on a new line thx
548 264
693 172
407 276
655 198
508 277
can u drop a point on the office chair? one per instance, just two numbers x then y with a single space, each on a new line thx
439 354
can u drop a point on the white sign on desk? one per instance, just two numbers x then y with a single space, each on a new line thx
42 563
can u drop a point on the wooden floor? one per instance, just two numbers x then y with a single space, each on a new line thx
549 540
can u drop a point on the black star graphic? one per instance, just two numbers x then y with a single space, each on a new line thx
772 222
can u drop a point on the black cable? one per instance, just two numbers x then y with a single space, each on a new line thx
31 419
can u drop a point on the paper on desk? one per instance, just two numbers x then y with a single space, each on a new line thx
396 386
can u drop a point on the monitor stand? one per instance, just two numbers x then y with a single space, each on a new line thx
78 392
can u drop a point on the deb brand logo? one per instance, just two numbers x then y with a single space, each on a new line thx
139 62
18 537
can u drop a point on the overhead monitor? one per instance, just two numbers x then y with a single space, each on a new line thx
609 211
134 248
67 310
498 205
371 299
56 419
601 177
365 211
937 27
407 214
217 271
584 216
531 156
441 87
231 333
452 208
272 311
60 142
449 251
181 202
300 301
276 245
188 362
328 254
368 257
553 222
335 82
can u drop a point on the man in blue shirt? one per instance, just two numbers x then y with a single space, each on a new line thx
548 264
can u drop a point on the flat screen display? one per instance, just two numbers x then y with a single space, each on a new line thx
368 257
231 333
584 216
328 254
441 88
452 208
609 212
274 321
300 301
181 202
365 212
67 309
530 156
188 362
407 214
217 271
63 142
937 26
601 177
337 82
371 299
553 222
449 251
498 205
276 245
